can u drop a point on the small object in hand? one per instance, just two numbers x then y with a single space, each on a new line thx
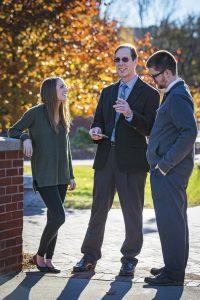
101 135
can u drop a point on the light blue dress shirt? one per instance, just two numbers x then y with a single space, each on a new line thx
130 84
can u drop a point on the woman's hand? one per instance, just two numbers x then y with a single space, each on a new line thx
72 185
27 148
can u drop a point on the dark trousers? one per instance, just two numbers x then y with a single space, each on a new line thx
130 188
170 203
53 197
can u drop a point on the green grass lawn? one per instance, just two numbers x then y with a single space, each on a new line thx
82 196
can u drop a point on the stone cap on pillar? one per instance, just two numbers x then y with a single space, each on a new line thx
9 144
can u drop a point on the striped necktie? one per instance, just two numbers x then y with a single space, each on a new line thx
122 96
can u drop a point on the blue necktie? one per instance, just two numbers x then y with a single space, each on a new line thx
122 96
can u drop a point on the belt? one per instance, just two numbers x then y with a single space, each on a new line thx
112 144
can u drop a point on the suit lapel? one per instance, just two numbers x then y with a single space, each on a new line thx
114 94
133 97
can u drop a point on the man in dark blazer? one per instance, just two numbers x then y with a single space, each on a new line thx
125 115
170 155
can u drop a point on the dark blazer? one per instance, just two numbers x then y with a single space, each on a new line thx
130 137
171 144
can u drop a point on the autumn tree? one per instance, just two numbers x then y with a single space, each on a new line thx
44 38
181 37
64 38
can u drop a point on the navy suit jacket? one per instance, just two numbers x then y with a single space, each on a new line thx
171 143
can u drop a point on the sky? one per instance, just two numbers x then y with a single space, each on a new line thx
126 12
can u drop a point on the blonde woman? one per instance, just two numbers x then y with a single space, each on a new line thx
47 144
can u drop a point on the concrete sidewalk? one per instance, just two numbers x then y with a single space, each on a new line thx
71 235
105 283
34 286
75 162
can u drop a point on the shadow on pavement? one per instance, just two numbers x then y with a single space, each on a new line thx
149 230
151 221
6 278
74 288
22 291
118 288
41 210
32 211
166 292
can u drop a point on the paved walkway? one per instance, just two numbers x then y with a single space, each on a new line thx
89 162
72 232
32 286
75 162
104 284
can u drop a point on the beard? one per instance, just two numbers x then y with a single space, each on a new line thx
161 86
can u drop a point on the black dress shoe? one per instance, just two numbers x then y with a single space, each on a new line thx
53 270
85 264
156 271
127 269
41 269
162 279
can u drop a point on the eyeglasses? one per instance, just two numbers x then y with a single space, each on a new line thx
156 75
123 59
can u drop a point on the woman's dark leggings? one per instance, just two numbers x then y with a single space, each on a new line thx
53 197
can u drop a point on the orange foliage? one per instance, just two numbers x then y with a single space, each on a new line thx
45 38
63 38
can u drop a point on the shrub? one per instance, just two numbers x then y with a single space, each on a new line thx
81 139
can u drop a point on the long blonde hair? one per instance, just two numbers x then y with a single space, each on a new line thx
48 95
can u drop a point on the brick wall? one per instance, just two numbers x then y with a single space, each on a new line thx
11 205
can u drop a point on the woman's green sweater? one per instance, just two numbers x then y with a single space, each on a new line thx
51 161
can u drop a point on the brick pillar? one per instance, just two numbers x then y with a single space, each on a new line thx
11 205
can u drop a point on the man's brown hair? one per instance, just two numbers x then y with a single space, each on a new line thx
132 49
162 60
